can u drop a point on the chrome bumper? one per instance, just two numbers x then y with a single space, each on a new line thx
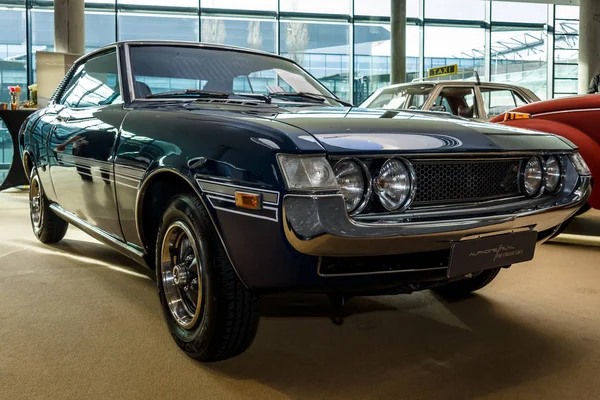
319 225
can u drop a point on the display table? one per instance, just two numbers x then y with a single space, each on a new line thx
13 119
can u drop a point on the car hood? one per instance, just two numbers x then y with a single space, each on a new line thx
355 130
351 130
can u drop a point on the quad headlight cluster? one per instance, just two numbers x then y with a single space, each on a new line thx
394 185
542 175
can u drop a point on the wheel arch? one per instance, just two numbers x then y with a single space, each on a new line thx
166 183
28 163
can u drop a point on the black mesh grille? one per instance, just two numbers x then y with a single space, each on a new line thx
457 181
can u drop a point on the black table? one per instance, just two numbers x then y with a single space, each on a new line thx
13 119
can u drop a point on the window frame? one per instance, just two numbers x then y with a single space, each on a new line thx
58 97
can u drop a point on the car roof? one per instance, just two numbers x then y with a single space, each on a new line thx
453 83
184 44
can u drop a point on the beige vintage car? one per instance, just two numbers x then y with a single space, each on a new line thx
468 99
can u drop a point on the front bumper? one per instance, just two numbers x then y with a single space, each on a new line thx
319 225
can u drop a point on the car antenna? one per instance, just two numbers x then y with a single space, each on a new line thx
477 77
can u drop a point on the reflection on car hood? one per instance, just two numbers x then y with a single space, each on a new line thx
343 130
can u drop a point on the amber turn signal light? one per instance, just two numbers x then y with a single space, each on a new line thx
516 115
247 200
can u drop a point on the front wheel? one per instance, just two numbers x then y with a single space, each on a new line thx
209 312
46 225
464 287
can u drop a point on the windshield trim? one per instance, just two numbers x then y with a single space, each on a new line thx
129 67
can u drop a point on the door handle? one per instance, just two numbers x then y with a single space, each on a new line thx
62 118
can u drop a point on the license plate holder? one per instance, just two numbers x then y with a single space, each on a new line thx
476 255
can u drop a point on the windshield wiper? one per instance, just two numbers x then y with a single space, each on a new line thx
190 93
312 96
196 93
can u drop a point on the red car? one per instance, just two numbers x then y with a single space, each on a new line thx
574 118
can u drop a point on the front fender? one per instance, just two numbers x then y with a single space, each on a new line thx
588 147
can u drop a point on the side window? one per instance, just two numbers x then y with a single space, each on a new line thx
459 101
94 83
499 101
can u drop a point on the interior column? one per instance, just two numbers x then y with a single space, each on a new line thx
589 42
398 36
69 26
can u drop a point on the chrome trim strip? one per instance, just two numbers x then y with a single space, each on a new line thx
483 235
564 111
136 180
84 160
269 196
481 155
99 234
126 185
376 272
130 78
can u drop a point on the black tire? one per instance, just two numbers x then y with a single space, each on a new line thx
47 226
463 288
226 312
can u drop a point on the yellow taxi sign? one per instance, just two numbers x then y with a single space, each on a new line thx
443 71
516 115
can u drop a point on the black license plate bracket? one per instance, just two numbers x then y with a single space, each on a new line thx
476 255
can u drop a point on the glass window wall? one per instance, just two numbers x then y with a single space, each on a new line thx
317 6
455 45
566 50
352 59
519 57
259 34
455 9
323 49
509 11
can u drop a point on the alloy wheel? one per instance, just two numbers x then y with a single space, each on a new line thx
181 272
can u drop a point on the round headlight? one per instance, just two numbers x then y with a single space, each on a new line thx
553 174
353 184
532 176
393 185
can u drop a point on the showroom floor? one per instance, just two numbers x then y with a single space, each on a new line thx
78 320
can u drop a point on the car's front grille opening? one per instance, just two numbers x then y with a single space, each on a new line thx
413 262
464 181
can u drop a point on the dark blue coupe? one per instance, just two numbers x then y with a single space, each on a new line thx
233 173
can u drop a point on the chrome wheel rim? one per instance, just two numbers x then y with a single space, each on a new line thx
36 208
181 272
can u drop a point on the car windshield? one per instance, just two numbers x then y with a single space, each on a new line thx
405 97
161 71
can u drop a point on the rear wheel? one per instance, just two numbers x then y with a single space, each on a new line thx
464 287
46 225
209 312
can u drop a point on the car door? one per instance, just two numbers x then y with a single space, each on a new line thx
82 142
498 100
